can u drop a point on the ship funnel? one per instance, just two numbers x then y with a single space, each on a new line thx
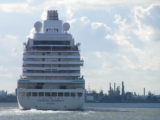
52 15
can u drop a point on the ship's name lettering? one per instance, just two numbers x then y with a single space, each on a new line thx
42 100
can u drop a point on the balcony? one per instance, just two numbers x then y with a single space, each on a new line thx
47 62
51 48
55 68
51 56
51 74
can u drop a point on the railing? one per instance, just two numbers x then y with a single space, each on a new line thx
73 71
64 60
29 87
56 66
47 78
53 86
28 50
52 54
33 60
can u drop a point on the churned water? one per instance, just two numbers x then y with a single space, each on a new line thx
92 111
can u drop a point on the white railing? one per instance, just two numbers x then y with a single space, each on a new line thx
51 86
51 74
47 50
52 54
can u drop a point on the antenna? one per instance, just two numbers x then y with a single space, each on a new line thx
89 88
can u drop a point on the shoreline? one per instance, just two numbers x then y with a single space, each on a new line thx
86 102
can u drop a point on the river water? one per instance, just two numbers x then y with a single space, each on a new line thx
92 111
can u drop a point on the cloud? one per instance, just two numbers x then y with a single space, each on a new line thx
128 35
16 7
129 63
132 57
105 65
118 20
31 33
8 75
85 20
97 54
2 69
29 1
72 21
93 4
69 5
44 15
12 47
69 11
13 52
4 72
96 25
146 22
65 9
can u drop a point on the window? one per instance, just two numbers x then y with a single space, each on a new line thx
73 94
67 94
51 42
54 60
60 94
54 94
63 87
28 93
22 93
41 94
47 94
34 94
54 69
38 87
79 94
40 83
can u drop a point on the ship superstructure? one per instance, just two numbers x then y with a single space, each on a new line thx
51 68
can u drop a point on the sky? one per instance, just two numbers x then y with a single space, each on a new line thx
120 40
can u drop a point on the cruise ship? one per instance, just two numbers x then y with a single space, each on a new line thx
51 78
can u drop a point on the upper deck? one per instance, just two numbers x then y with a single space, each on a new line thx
51 53
51 35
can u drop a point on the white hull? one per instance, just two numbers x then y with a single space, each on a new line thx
50 103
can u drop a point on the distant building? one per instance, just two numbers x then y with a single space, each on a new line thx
89 98
3 93
114 92
129 95
123 92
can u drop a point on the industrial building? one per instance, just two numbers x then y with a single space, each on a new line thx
115 94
